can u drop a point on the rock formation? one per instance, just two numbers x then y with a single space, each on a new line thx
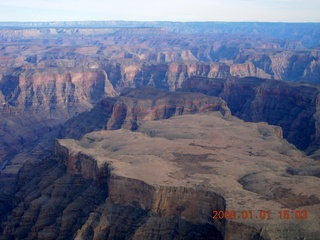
36 102
134 106
293 107
63 80
166 179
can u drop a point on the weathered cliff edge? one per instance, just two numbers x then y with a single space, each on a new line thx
293 107
135 106
33 106
152 170
164 180
164 201
35 103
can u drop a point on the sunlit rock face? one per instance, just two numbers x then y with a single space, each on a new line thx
135 106
35 102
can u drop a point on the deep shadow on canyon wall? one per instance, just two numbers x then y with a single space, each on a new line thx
294 107
58 199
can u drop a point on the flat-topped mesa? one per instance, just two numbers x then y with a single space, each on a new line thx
187 166
162 200
146 104
292 106
135 106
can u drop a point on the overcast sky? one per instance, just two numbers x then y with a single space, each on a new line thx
165 10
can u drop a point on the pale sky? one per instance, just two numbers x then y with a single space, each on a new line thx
161 10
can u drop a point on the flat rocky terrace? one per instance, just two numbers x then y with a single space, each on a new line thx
241 166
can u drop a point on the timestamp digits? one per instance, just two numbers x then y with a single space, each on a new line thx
261 214
297 214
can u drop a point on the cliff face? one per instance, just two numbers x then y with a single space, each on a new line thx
33 102
109 184
170 76
293 107
134 106
144 54
33 106
286 65
71 76
162 76
50 89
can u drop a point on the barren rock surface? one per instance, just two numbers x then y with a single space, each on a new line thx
245 165
164 179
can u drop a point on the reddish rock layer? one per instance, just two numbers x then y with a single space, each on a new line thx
135 106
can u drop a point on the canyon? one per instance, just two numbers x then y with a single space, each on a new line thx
208 162
148 117
294 107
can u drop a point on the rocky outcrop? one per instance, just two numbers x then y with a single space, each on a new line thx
50 75
291 106
35 102
165 180
45 89
289 66
134 106
162 201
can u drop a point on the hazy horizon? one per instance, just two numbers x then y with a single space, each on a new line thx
195 21
289 11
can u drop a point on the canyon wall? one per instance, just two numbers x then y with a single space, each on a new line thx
99 188
134 106
34 104
112 206
293 107
66 81
169 76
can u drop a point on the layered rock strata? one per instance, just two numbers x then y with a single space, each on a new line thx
50 75
135 106
294 107
34 104
166 179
